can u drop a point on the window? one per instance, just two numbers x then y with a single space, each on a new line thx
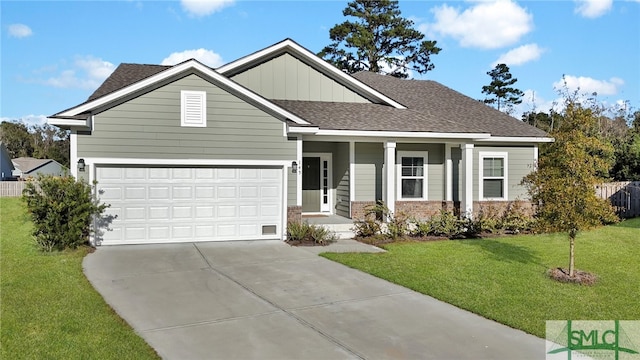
193 109
493 176
412 175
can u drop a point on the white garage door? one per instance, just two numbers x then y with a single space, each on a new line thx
180 204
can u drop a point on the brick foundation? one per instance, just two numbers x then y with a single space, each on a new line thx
294 214
498 208
358 209
422 210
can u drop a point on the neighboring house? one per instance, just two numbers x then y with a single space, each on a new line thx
189 153
28 167
6 166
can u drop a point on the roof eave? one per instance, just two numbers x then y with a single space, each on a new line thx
177 69
517 139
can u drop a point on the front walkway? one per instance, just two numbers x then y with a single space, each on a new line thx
267 300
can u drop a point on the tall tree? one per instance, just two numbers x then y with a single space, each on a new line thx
17 139
500 91
379 40
563 186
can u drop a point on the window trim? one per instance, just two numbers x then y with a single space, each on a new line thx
203 108
425 158
505 176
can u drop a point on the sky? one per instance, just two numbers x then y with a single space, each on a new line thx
54 54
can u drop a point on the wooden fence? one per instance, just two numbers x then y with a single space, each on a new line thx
12 188
623 195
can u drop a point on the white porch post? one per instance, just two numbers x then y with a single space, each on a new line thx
466 199
352 175
535 157
389 176
448 173
299 173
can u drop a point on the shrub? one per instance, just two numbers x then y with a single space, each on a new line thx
302 232
446 224
516 219
62 210
372 225
366 228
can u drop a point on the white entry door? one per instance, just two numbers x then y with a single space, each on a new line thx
185 204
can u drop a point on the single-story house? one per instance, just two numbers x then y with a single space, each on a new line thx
191 153
28 167
6 166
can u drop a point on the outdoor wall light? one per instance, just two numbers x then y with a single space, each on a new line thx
294 167
81 165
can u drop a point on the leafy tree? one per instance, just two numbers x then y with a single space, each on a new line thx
378 36
563 187
499 92
17 139
627 152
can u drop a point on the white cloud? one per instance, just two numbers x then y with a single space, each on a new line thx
87 72
200 8
589 85
485 25
520 55
28 120
205 56
19 31
593 8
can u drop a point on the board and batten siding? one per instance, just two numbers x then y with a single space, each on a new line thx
435 167
520 164
148 126
369 159
287 78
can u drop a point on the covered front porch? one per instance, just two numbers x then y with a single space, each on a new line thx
339 179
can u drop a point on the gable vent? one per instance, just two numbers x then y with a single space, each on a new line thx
193 110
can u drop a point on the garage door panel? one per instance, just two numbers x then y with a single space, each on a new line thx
190 204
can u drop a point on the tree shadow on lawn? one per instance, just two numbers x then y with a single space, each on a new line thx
633 223
507 252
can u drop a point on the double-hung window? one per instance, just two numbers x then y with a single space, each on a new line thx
493 176
412 175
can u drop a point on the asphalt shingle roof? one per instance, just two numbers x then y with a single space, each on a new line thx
28 164
431 107
441 103
371 117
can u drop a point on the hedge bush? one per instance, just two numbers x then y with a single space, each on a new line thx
62 210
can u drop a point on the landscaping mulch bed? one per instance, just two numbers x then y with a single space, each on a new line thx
305 243
580 277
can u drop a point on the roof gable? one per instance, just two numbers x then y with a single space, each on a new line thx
297 51
67 117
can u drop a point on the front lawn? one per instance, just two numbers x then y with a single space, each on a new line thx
504 278
49 310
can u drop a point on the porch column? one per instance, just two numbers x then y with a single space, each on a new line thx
389 175
299 173
466 198
448 181
73 153
352 175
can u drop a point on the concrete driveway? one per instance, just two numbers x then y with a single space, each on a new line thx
267 300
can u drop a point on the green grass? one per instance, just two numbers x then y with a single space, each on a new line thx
504 279
49 310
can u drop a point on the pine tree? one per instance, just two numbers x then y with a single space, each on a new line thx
379 38
499 92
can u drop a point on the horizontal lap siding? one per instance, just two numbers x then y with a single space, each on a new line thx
341 174
149 127
520 164
288 78
368 171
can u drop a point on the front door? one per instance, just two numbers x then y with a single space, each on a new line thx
316 183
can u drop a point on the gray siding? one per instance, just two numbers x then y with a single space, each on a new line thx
456 159
368 171
341 173
52 168
520 164
340 170
149 127
287 78
292 194
435 167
